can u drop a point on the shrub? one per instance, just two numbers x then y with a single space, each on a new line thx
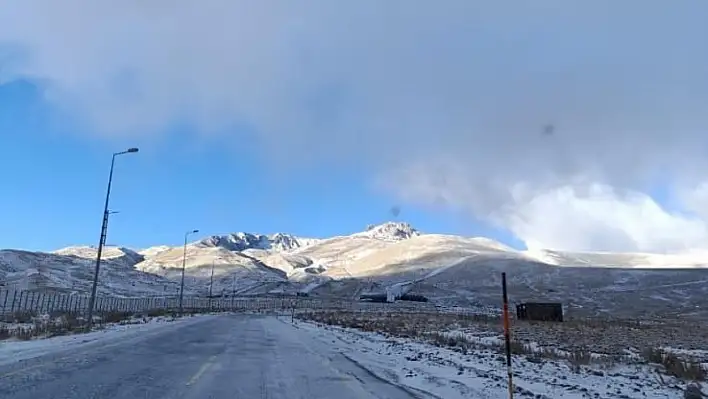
685 369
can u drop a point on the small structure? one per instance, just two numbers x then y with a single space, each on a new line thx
540 311
413 297
374 297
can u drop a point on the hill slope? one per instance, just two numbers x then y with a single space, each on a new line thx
392 256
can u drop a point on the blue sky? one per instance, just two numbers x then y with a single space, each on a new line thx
55 181
315 120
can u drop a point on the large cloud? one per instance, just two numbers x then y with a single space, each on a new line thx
450 97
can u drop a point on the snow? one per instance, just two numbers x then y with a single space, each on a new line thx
690 259
449 374
311 286
242 241
390 231
393 256
71 270
12 351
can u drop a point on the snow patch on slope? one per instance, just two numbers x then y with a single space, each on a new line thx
243 241
389 231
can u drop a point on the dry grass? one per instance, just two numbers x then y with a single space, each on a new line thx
580 343
26 325
683 368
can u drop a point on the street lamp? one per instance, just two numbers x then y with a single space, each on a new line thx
211 284
184 263
102 240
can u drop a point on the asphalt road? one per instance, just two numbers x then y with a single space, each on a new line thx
230 356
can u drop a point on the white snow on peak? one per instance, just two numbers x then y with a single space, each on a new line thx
242 241
125 255
389 231
152 251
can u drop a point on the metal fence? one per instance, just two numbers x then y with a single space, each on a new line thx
47 302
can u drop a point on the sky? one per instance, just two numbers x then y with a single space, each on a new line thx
576 126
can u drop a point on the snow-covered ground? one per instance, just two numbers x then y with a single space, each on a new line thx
450 374
12 350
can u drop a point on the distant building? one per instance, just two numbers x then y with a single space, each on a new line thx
540 311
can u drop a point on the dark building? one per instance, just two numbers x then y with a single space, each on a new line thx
414 298
539 311
383 298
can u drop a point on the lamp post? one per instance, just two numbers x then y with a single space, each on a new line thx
184 264
211 285
102 240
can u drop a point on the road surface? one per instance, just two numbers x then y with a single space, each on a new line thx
229 356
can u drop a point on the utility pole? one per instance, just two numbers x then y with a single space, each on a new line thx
184 265
211 285
233 292
102 240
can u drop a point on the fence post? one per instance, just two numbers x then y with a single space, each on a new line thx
14 298
21 306
4 302
507 336
42 297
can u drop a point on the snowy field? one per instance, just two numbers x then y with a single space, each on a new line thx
13 350
436 357
469 363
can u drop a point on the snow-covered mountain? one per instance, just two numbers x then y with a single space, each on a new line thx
71 270
391 257
244 241
391 231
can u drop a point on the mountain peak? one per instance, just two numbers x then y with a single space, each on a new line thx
392 231
242 241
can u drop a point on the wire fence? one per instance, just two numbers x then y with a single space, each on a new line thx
48 302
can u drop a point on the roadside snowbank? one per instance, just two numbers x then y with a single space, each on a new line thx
449 374
12 350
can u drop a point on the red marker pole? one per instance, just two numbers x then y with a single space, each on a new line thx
507 336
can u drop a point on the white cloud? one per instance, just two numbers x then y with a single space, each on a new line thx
398 86
600 218
566 214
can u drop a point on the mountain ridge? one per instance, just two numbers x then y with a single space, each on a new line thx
390 256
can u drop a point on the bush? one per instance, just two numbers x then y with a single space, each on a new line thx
685 369
115 317
5 333
23 317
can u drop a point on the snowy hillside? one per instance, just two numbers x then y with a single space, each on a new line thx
608 259
391 231
391 257
72 270
244 241
233 270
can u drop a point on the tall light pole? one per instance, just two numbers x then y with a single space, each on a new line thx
102 240
184 265
211 284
